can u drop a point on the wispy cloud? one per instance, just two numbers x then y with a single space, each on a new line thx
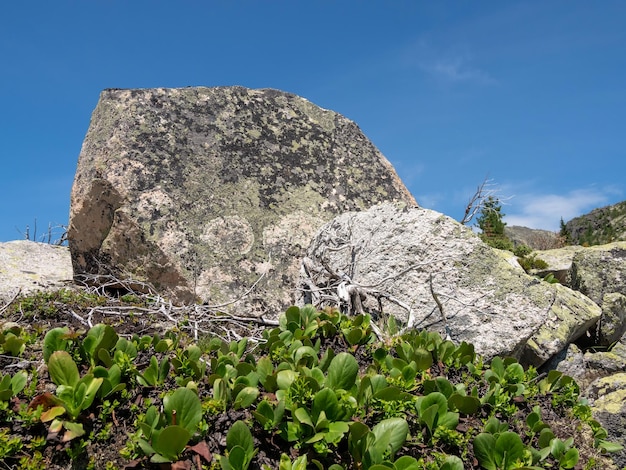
455 64
458 68
544 211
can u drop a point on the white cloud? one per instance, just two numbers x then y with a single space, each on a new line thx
455 65
544 211
457 69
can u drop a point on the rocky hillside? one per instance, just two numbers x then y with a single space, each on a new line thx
600 226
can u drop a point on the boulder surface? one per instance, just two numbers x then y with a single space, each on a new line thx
27 266
413 263
213 194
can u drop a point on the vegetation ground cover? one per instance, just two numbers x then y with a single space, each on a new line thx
84 386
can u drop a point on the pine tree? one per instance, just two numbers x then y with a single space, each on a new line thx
492 226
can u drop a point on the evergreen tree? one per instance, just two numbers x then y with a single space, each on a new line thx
492 226
564 233
490 219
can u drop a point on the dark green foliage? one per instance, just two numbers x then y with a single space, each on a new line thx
530 262
600 226
318 390
492 226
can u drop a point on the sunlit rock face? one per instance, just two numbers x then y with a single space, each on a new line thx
206 192
430 272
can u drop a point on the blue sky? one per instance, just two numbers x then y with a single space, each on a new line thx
529 94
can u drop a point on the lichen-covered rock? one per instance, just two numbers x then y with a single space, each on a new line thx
559 261
608 405
599 272
27 266
394 255
207 192
613 322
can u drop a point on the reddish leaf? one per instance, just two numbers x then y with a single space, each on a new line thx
202 449
47 400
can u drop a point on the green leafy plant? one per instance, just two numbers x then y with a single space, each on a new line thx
240 448
74 394
433 412
10 386
11 339
57 339
156 372
370 448
166 434
99 337
500 451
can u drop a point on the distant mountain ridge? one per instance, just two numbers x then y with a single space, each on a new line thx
598 227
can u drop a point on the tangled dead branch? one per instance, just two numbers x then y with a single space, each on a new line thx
132 301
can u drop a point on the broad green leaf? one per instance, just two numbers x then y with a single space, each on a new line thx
306 353
608 446
171 441
484 450
292 315
390 434
285 378
342 372
52 413
354 336
448 420
240 435
55 340
98 337
303 417
91 387
264 413
237 458
336 430
570 459
429 417
465 404
63 369
434 398
452 462
545 438
187 407
18 382
497 368
514 373
508 450
72 431
409 463
423 358
13 345
358 430
326 401
246 397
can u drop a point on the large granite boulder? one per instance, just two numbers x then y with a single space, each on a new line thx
412 263
213 194
559 261
599 272
27 266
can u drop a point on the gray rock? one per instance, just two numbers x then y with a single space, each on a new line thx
385 258
608 405
27 266
599 272
559 262
213 194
